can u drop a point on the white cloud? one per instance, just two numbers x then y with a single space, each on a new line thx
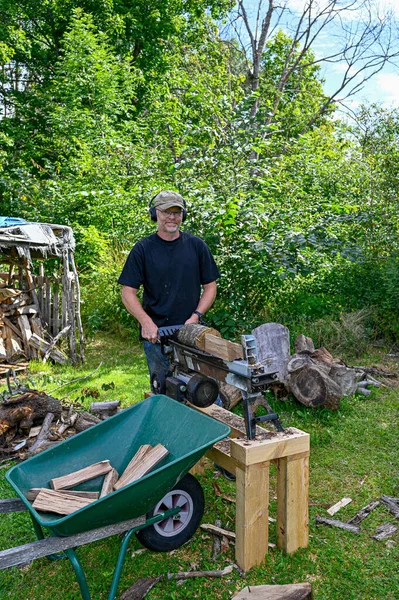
386 88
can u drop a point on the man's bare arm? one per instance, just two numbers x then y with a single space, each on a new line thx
149 330
207 299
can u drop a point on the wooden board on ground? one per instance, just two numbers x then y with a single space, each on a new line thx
151 458
72 479
294 591
61 504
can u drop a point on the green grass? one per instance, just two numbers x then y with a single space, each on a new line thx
354 452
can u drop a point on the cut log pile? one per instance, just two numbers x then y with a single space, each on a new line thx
31 325
313 376
32 421
62 500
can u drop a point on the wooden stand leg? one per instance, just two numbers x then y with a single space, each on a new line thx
252 513
292 502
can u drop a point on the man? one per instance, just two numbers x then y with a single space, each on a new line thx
178 274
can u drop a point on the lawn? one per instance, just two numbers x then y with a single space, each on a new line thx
354 452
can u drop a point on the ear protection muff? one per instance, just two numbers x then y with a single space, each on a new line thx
153 211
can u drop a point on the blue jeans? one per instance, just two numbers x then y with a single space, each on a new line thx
158 363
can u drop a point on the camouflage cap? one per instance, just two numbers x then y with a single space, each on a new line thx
167 199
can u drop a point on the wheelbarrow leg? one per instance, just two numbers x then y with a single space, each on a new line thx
81 577
40 536
119 563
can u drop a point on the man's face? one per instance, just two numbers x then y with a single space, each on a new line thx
169 220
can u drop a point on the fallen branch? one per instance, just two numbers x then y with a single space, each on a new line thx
78 379
392 504
54 342
192 574
339 524
363 513
384 531
214 530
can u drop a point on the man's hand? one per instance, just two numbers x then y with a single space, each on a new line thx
193 319
149 331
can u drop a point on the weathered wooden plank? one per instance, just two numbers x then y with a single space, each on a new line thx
43 346
11 505
73 479
28 552
339 524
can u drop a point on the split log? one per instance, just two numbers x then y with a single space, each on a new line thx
110 480
42 346
135 461
293 591
54 342
34 492
61 504
339 524
13 348
385 531
151 458
224 349
363 513
3 351
193 335
140 589
73 479
26 332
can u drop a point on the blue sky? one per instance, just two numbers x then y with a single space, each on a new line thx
382 88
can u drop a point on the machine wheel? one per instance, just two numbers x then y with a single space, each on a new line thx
158 383
175 531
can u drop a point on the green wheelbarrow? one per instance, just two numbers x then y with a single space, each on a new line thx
167 503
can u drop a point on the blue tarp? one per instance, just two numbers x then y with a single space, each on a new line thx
11 221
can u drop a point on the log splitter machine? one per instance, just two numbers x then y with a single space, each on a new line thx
194 376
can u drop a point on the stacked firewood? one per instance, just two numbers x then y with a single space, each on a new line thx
61 499
23 332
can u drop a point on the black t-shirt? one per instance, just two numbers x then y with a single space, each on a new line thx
172 274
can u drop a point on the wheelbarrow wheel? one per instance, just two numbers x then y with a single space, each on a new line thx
173 532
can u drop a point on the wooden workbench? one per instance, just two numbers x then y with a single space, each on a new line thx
250 461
